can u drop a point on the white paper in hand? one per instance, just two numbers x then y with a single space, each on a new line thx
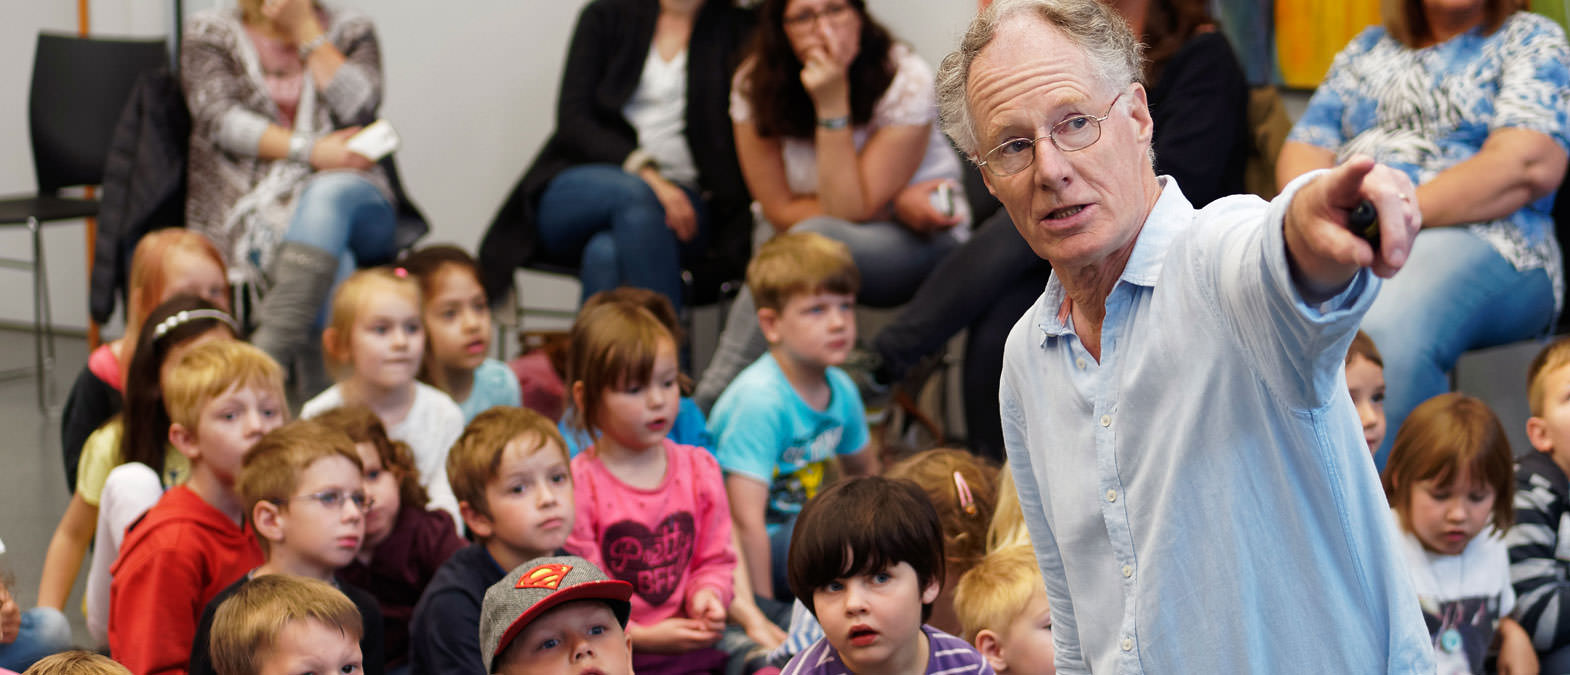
375 141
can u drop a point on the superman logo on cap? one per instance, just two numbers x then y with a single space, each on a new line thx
548 576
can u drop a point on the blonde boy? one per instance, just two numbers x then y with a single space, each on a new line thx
76 662
1002 605
221 398
510 474
303 489
789 415
1538 566
286 624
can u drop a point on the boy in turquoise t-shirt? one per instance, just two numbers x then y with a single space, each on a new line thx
792 412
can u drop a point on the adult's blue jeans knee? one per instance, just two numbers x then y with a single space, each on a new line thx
344 214
611 223
1455 293
44 631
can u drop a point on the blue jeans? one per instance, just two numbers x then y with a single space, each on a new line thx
343 213
893 261
44 631
611 224
1455 293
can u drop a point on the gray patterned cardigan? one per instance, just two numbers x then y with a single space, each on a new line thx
241 201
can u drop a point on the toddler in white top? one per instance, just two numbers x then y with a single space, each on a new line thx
374 342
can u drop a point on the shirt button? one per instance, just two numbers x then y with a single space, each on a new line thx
1112 495
1128 571
1128 644
1079 363
1106 420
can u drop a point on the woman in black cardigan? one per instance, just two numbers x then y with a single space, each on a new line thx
640 175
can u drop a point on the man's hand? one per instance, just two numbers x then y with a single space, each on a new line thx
1323 253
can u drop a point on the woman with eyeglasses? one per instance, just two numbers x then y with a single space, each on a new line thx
836 129
637 179
1469 99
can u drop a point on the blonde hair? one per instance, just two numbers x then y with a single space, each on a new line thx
477 454
1407 21
363 426
212 368
964 525
272 468
350 299
76 662
1442 438
994 592
1363 346
1553 357
799 263
614 345
246 626
1008 521
149 279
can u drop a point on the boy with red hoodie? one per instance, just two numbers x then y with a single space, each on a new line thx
221 398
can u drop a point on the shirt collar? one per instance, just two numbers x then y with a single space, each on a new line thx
1172 214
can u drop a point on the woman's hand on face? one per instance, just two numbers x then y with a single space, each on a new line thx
297 18
824 72
332 151
679 214
913 206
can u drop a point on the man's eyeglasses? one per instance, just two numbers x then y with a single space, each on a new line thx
333 499
805 18
1075 133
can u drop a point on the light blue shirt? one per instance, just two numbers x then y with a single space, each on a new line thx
1201 500
494 385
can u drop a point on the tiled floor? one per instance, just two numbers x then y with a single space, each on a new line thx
33 492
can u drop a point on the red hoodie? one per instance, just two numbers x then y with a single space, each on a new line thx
173 561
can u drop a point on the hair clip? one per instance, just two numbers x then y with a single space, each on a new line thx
187 315
967 502
401 272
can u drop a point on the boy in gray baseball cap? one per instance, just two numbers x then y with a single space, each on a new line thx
556 615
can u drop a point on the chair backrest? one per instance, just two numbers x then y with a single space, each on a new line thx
80 85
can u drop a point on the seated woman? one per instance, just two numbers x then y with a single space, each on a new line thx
1470 100
634 181
833 120
276 88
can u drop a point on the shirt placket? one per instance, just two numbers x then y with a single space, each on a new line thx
1113 495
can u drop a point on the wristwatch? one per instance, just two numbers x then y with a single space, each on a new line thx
833 123
300 147
311 46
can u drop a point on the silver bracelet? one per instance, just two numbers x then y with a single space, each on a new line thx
834 123
300 145
311 46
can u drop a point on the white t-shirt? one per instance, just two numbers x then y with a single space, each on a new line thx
1463 597
658 111
433 424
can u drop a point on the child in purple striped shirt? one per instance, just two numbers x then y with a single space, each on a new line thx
866 558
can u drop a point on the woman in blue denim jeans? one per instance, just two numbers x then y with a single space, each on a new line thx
1470 100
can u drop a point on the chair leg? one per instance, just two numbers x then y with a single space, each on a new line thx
38 308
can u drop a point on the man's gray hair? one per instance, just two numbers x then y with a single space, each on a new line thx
1095 28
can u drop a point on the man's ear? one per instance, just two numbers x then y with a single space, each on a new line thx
1537 434
1139 113
184 440
986 178
991 649
478 523
267 518
769 321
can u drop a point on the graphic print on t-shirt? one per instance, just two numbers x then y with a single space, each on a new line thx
801 471
1461 630
652 561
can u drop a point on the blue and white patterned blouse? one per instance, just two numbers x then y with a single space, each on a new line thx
1425 110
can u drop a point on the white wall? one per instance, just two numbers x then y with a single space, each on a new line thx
472 92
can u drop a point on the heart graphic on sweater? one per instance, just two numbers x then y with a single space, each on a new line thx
652 561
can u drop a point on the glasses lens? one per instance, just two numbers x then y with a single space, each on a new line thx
360 500
1076 133
1011 157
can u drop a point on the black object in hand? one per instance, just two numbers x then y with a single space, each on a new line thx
1364 222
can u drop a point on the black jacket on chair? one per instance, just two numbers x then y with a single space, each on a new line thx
144 181
604 63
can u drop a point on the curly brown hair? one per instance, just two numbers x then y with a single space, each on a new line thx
780 104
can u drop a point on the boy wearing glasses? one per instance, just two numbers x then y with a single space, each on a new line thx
221 397
303 489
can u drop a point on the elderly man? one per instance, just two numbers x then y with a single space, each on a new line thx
1191 469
